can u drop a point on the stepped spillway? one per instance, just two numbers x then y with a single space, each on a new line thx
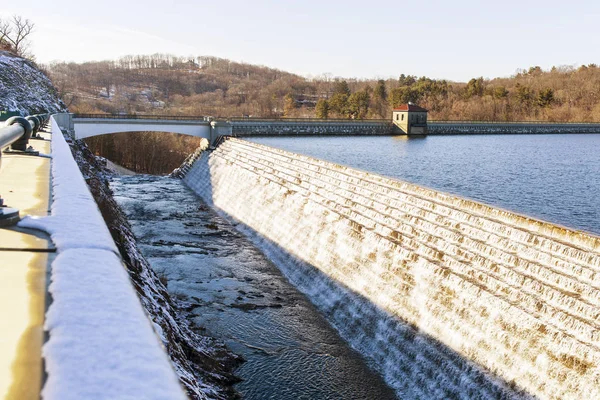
446 297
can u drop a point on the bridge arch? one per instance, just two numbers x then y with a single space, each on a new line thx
89 127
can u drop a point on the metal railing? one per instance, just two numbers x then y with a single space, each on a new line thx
16 133
11 133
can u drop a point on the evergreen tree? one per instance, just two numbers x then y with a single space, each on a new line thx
341 87
500 92
535 71
379 99
545 97
338 103
358 104
403 95
322 109
380 91
524 94
407 80
474 88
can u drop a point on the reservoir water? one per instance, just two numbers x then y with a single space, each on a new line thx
551 177
240 297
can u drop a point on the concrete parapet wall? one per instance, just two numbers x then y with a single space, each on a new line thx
461 128
101 343
381 127
311 127
87 126
447 297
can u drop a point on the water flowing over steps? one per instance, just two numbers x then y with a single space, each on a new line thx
429 286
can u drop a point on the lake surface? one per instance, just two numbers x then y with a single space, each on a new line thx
555 178
241 298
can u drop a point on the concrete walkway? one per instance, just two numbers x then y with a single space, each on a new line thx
25 256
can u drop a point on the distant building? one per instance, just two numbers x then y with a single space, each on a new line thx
411 119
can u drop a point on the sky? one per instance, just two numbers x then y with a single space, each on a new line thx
455 40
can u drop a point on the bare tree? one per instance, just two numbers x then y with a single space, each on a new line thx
14 34
5 30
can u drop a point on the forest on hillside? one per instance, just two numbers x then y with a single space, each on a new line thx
169 85
144 152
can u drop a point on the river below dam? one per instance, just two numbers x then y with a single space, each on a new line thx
240 297
550 177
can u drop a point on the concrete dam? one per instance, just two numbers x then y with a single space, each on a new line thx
445 297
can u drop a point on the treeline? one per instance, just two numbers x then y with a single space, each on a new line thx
168 85
145 152
164 84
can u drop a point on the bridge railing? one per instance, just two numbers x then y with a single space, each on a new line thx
301 120
204 118
141 116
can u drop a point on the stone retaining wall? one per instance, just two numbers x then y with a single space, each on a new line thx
291 128
509 128
381 127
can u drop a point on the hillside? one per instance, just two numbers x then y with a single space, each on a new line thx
164 84
167 84
24 88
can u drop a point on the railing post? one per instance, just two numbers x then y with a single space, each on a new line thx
35 125
8 216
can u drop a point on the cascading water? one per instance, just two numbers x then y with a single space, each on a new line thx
446 297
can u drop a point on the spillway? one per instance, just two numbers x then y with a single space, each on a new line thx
445 297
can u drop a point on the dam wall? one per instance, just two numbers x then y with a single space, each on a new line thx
502 128
307 127
299 127
444 296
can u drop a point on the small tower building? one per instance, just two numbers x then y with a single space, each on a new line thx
411 119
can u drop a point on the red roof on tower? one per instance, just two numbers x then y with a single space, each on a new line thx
409 107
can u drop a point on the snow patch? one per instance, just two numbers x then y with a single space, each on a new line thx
75 220
24 88
101 342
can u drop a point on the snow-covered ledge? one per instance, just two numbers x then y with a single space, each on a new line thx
101 345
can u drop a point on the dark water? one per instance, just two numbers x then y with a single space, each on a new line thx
242 298
555 178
